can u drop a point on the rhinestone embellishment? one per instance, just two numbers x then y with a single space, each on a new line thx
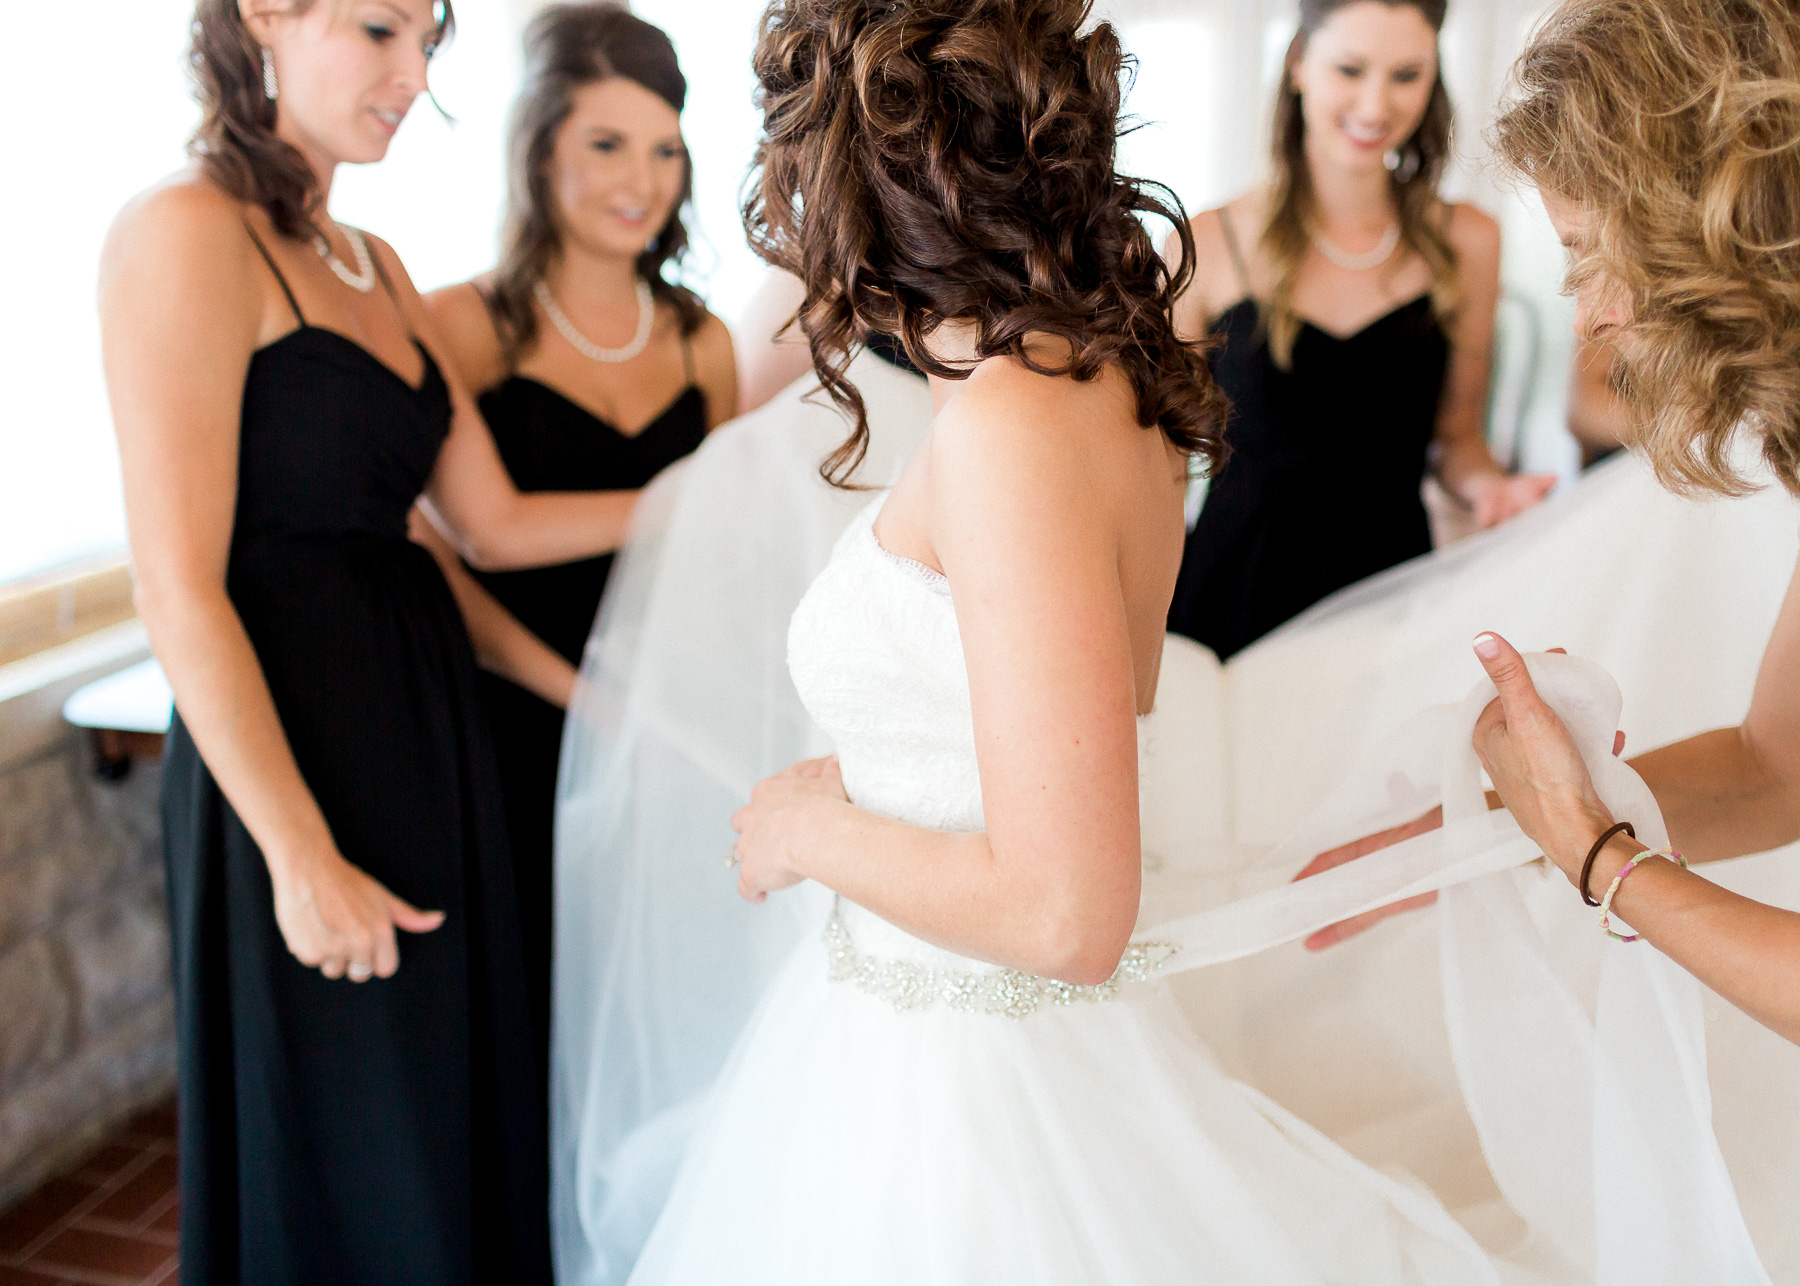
1009 993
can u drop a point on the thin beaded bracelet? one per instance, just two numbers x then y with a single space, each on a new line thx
1607 901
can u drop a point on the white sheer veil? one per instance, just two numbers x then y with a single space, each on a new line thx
1461 1044
684 703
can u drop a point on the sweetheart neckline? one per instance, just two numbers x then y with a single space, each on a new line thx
417 390
1336 337
582 407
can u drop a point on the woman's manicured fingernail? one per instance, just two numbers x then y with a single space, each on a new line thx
1487 646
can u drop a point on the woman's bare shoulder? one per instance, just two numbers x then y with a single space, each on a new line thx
465 325
1218 281
1473 232
183 239
183 208
715 368
712 344
1044 433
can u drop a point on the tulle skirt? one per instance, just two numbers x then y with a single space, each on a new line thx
849 1144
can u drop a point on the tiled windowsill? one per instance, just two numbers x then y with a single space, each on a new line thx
58 631
63 604
33 689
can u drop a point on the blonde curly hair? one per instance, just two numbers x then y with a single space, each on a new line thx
1675 126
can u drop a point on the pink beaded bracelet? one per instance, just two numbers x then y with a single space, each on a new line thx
1613 888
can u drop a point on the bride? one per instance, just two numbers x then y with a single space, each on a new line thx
965 1074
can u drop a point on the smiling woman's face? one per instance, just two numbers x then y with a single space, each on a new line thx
1365 79
617 168
347 72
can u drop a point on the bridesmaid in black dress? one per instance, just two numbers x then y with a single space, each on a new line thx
596 372
353 1110
1353 313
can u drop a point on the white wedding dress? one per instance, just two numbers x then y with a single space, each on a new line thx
901 1114
1580 1108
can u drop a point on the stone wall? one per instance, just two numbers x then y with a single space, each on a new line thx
86 1014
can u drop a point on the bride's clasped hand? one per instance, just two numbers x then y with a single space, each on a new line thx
783 813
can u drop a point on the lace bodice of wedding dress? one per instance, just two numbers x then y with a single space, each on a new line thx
875 654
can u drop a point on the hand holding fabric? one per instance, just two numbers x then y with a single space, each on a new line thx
1428 821
1533 763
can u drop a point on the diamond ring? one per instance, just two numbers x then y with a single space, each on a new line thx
732 858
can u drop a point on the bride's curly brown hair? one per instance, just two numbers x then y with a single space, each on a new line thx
951 161
1675 126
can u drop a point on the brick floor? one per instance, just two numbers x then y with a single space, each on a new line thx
109 1222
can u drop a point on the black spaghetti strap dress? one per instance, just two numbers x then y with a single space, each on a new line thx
550 443
1327 457
334 1133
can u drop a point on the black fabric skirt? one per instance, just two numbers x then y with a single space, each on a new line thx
393 1131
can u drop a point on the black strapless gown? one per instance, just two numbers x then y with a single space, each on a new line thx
332 1133
549 443
1322 487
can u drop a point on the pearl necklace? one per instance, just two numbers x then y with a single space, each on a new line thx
1360 263
363 279
585 346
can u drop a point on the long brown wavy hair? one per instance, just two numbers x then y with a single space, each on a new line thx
568 47
1287 234
1674 125
235 144
934 161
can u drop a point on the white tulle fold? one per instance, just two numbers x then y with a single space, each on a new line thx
1582 1062
684 703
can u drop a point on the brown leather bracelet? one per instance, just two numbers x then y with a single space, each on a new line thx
1587 867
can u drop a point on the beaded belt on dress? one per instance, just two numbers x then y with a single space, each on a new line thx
910 985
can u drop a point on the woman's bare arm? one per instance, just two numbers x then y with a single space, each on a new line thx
1215 284
1747 952
181 313
495 526
502 644
463 325
767 364
1464 464
1024 522
715 370
1735 791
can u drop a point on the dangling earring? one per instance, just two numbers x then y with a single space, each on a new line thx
1403 163
271 91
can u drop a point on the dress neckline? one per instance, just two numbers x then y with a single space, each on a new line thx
581 407
417 390
931 577
1335 337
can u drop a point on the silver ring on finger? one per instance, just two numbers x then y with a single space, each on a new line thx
360 972
733 858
